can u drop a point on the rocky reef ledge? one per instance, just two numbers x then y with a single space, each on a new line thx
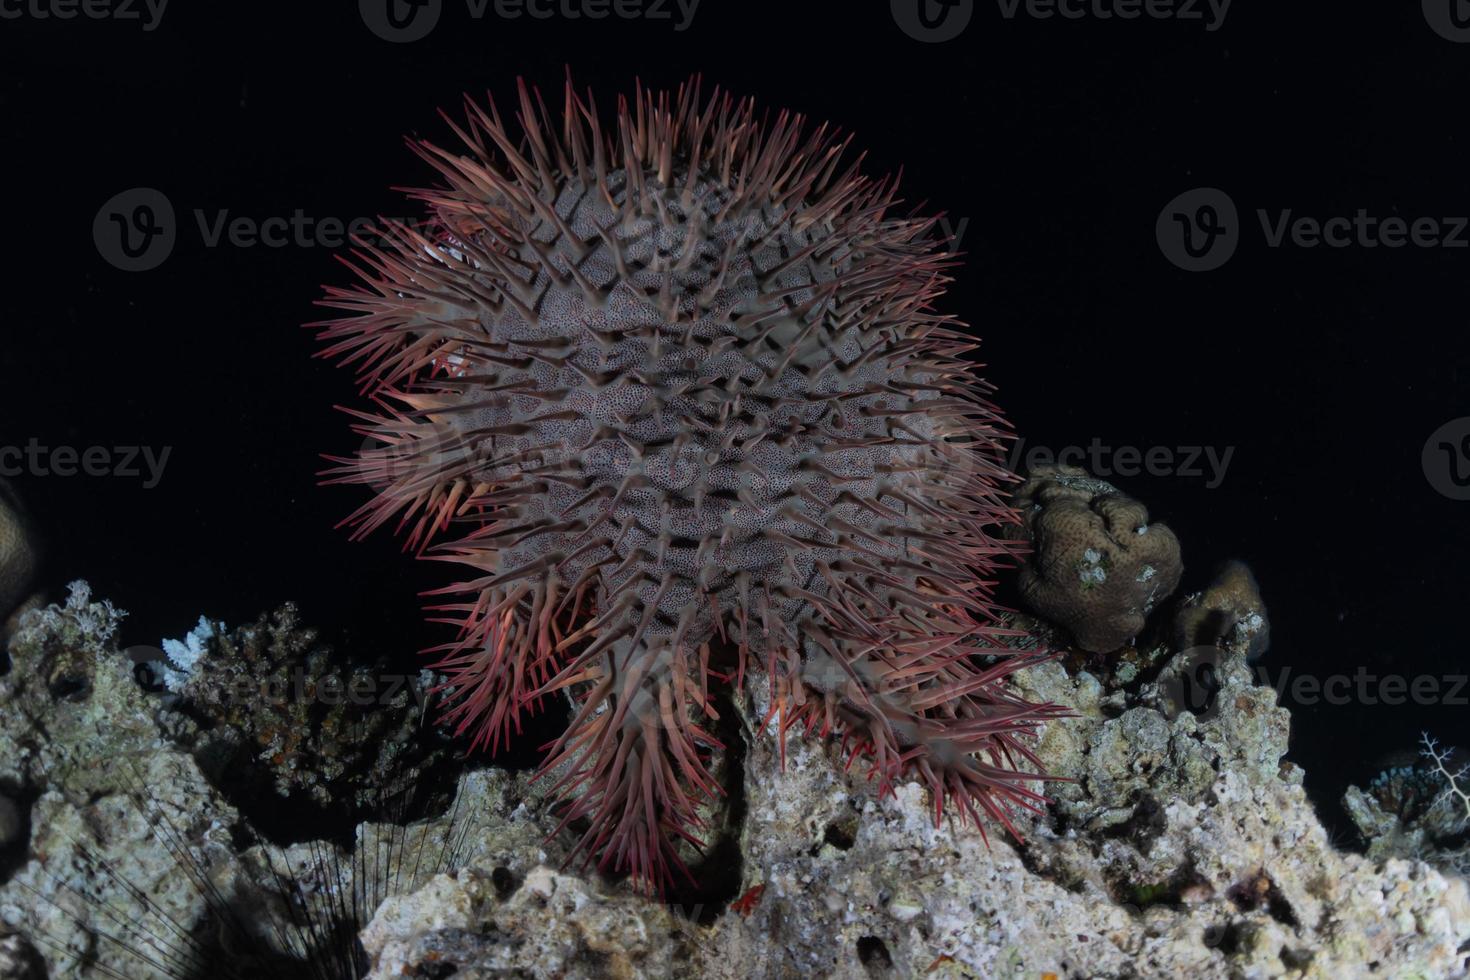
1180 844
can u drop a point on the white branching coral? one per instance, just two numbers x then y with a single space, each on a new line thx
1456 795
79 621
184 654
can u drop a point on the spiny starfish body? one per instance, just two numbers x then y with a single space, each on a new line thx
680 385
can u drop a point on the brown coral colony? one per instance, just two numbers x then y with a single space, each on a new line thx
674 393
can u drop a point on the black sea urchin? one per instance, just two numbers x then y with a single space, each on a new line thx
682 385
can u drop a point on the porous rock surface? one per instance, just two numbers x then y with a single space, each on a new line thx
80 749
1184 847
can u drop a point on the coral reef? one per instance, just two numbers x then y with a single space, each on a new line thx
70 701
1185 847
271 704
678 383
129 859
1196 632
1419 811
1182 845
1097 566
78 746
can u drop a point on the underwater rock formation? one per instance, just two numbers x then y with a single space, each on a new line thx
128 858
1184 848
70 701
1184 845
1097 567
78 747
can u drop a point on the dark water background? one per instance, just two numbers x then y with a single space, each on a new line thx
1052 144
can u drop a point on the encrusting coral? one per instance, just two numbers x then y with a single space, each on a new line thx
1098 567
679 386
1229 614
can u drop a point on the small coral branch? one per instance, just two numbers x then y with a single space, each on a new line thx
1456 794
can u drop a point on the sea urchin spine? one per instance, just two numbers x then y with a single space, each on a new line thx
681 385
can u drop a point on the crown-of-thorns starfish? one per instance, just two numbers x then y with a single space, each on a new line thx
681 385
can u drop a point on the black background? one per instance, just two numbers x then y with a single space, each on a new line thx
1054 143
